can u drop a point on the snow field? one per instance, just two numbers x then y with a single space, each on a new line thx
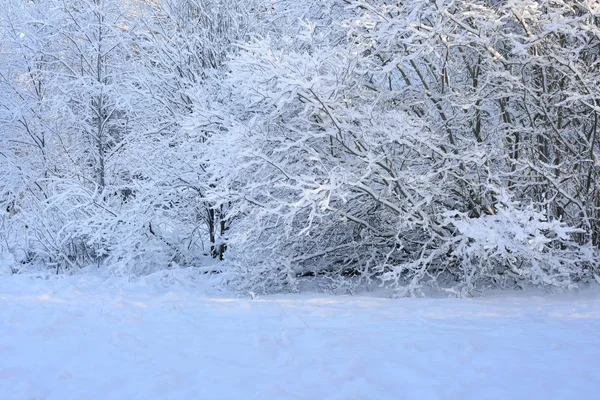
163 337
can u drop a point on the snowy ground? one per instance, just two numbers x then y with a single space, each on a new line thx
164 337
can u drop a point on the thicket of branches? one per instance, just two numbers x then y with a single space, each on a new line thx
451 144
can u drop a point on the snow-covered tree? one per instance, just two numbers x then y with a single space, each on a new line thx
183 48
389 152
444 143
68 78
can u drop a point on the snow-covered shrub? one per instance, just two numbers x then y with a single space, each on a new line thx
516 245
382 154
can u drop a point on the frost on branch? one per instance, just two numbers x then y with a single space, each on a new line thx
352 143
406 154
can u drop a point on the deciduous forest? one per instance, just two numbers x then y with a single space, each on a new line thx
347 143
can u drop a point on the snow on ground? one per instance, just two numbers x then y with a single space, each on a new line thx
171 337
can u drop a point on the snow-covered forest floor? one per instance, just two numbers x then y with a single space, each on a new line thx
177 335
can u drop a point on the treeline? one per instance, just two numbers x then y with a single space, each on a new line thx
451 144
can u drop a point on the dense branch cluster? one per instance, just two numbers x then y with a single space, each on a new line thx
343 143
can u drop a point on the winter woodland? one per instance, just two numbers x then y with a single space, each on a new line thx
451 144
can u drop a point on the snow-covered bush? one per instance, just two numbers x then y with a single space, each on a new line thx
382 155
516 245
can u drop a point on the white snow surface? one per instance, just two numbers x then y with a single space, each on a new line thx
176 335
